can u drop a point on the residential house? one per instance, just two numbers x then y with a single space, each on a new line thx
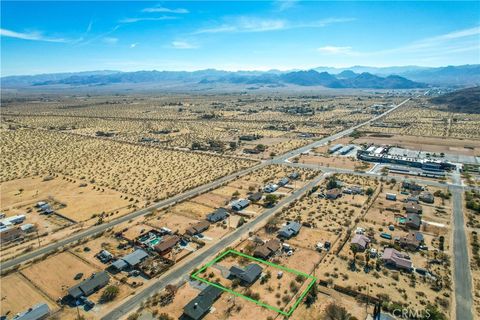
266 250
412 240
240 204
217 215
37 312
271 187
255 197
353 190
289 230
411 185
104 256
413 221
130 260
201 304
283 182
396 259
198 228
248 275
167 244
412 207
10 233
426 197
294 175
360 242
412 198
90 285
333 193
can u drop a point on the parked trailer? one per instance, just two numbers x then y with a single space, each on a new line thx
391 196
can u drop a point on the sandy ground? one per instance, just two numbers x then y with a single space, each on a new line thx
55 274
335 161
145 172
18 294
81 202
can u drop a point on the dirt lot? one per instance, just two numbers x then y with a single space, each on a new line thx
274 291
145 172
81 203
18 294
55 274
335 161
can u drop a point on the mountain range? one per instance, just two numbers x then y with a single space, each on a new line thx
357 77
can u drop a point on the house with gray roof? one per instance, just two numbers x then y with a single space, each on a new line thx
292 228
240 204
413 221
37 312
283 182
88 286
130 260
201 304
217 215
248 275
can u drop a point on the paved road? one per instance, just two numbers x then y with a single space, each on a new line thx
461 270
461 265
188 194
100 228
182 270
341 134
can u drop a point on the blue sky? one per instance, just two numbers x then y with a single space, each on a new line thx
46 37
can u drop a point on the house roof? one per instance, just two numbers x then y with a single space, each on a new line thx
135 257
273 244
87 286
168 242
202 225
396 257
36 312
412 238
262 252
217 215
361 240
255 196
200 305
119 264
413 218
268 248
291 228
249 274
241 203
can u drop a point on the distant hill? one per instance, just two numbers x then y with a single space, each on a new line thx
465 100
462 76
210 77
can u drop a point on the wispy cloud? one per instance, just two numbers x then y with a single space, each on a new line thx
110 40
183 45
133 20
335 50
444 44
133 45
254 24
166 10
32 36
283 5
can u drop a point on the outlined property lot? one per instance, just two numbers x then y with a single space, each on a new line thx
307 281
